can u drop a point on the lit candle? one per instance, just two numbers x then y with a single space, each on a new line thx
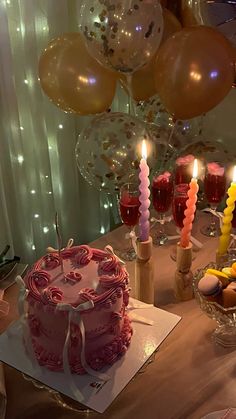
144 196
191 208
228 216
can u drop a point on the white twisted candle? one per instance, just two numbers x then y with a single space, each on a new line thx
144 224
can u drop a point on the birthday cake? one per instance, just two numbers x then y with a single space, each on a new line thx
80 297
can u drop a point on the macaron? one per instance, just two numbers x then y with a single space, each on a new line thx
221 275
233 269
228 298
210 286
230 273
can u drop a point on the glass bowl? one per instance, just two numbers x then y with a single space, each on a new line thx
225 332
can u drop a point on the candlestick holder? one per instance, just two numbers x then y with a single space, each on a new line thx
144 272
183 287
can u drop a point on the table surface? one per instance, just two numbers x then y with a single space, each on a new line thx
190 375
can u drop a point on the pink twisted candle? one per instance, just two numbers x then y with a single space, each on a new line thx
190 210
144 196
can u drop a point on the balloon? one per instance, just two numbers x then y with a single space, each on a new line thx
122 35
193 71
221 15
143 81
73 80
108 151
153 112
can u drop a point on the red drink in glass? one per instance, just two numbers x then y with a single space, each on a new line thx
179 204
183 169
129 209
162 192
214 187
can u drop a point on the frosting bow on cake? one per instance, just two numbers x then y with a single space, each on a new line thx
87 305
23 294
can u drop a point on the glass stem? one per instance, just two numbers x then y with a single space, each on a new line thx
213 219
161 224
131 230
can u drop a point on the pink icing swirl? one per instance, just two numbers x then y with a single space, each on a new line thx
40 278
52 295
119 278
108 264
87 294
69 252
73 277
51 261
84 255
215 169
185 160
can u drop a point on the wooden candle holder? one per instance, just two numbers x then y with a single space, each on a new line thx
144 272
183 284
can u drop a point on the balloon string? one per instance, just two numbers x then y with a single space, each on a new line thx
201 124
129 88
169 141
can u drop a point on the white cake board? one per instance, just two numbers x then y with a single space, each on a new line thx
97 395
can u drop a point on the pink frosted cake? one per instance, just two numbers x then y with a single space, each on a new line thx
89 275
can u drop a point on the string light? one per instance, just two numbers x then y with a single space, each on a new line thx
50 193
46 176
105 206
102 230
36 215
60 126
26 81
45 230
33 247
110 204
18 29
33 192
21 128
20 159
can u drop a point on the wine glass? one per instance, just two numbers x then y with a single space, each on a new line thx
162 193
183 169
214 189
129 212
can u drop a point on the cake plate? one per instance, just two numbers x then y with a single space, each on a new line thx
225 332
151 327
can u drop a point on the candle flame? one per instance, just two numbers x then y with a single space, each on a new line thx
234 175
195 169
144 150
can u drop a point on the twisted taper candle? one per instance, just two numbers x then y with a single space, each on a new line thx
144 224
227 220
189 213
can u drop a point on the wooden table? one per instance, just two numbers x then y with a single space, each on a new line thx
190 376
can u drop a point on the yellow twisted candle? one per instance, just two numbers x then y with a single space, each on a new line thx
227 218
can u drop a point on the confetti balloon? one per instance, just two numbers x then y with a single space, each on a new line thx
153 112
123 35
108 151
142 82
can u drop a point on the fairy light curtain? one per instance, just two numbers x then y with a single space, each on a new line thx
38 173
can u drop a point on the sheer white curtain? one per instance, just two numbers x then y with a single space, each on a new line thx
38 173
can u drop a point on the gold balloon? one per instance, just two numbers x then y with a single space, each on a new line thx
143 80
193 71
72 79
218 14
